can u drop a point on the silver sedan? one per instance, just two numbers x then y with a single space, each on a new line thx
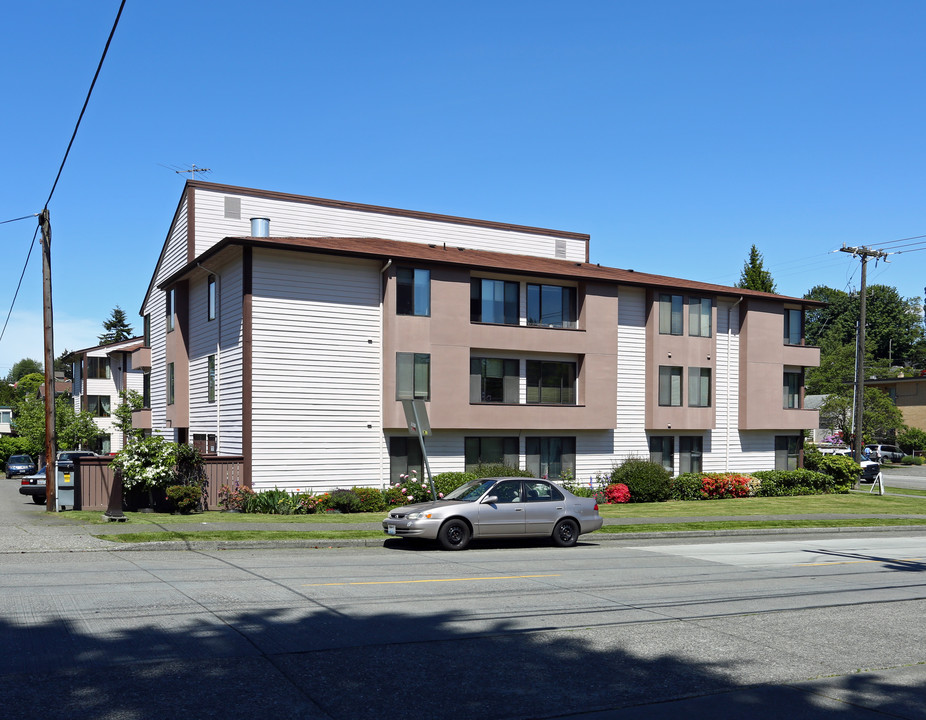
497 508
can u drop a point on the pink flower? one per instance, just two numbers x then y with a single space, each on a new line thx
411 497
423 486
440 495
404 491
414 472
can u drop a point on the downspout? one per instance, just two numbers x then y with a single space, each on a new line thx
382 330
218 351
730 310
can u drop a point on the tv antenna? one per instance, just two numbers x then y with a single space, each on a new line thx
183 171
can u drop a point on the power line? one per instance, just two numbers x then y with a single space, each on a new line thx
24 217
19 284
86 102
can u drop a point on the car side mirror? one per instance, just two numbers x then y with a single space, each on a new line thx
491 500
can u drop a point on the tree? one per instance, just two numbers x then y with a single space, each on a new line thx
132 401
74 430
117 328
754 275
26 366
63 364
881 418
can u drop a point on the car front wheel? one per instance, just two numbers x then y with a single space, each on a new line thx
454 535
566 533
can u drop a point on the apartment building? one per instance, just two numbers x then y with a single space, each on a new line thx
288 330
100 375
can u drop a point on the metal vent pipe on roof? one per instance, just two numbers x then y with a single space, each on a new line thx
260 227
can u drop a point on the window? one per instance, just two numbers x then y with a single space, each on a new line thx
205 443
792 390
6 416
171 297
670 386
551 382
670 314
539 491
170 383
494 301
101 444
489 451
690 450
699 387
787 450
147 330
551 306
210 298
662 451
699 317
494 380
413 376
412 291
98 368
404 458
211 373
146 390
549 457
793 329
98 405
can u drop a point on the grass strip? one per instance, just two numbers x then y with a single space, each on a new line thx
238 535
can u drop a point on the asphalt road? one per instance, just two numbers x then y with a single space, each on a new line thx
817 627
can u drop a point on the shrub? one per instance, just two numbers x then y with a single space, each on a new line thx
913 460
304 503
687 486
411 489
234 498
186 498
617 493
841 468
778 483
448 481
500 470
146 463
345 501
371 499
716 486
271 502
647 481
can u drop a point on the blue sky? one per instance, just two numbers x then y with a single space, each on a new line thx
676 134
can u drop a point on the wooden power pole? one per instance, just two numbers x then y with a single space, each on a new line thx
51 466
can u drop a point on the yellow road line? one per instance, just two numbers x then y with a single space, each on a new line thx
854 562
435 580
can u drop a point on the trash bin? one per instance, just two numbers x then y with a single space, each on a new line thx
64 497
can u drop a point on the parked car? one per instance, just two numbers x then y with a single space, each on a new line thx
870 470
34 485
880 453
19 465
66 458
497 508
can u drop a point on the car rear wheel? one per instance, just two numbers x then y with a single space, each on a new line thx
454 535
566 533
38 499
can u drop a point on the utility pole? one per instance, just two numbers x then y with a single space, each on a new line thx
862 253
51 466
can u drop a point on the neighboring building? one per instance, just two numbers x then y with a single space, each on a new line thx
100 374
6 420
296 350
908 394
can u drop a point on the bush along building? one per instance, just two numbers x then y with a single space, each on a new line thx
288 330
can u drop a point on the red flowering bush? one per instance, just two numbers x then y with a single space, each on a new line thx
617 493
718 486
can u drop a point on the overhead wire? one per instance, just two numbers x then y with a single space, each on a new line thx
19 284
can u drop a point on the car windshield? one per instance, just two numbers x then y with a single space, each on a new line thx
470 491
20 459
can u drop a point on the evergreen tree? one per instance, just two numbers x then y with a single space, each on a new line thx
754 276
23 367
117 328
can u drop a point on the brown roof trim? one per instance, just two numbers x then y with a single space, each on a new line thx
305 199
478 259
113 345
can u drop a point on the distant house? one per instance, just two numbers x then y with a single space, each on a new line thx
101 373
908 394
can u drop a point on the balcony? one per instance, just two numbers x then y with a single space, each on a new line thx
141 359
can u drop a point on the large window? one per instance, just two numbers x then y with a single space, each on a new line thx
413 376
494 380
787 452
170 383
210 298
405 457
490 450
662 451
412 291
793 329
211 379
671 319
551 306
699 316
98 368
792 390
549 457
699 387
494 301
670 386
690 451
98 405
551 382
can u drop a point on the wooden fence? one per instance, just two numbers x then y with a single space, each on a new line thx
93 480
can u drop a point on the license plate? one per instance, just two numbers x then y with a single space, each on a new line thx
390 529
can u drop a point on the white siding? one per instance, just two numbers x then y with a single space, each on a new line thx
299 219
727 449
174 256
316 372
156 308
630 435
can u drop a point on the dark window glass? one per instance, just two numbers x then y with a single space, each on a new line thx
494 380
690 452
210 298
699 316
793 327
699 387
670 314
413 376
494 301
792 391
670 386
787 452
490 450
662 451
551 306
551 382
404 457
548 457
413 291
